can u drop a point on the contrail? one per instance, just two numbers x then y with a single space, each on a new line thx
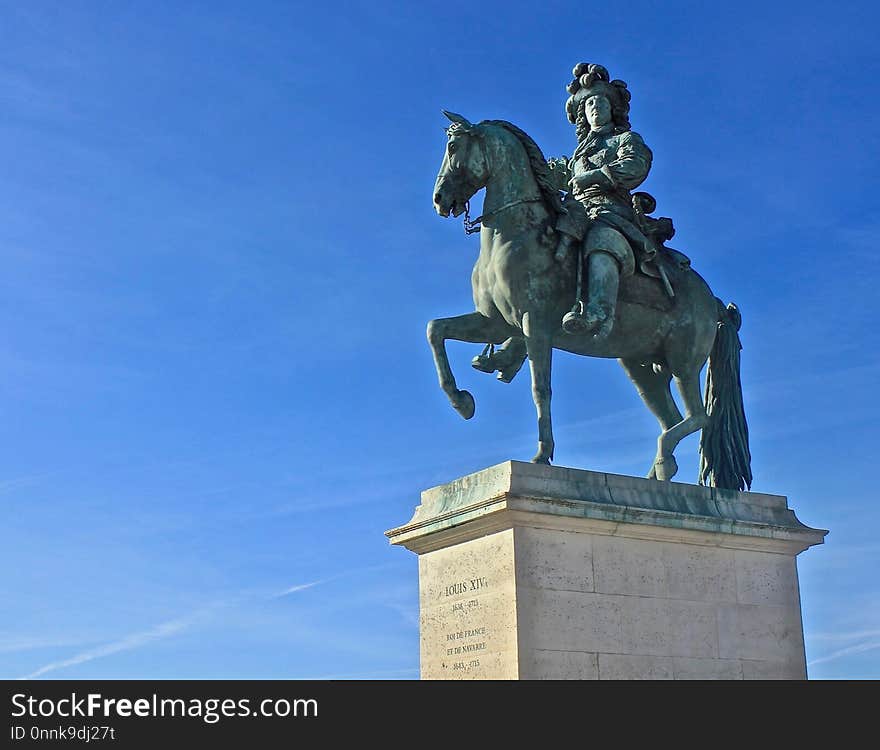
343 574
163 630
857 649
127 643
12 644
172 627
299 587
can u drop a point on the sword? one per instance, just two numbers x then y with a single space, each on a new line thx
640 222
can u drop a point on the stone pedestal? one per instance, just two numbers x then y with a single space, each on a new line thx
538 572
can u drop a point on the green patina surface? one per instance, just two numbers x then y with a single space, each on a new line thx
576 493
571 259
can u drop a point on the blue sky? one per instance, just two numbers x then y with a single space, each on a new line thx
220 255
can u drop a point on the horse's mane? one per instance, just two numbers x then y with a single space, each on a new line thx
538 164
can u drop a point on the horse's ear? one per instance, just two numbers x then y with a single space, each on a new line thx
463 121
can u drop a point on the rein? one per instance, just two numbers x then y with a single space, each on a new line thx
474 225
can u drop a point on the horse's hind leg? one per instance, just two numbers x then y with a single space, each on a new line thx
473 327
695 419
653 387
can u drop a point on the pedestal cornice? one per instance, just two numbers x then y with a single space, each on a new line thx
514 494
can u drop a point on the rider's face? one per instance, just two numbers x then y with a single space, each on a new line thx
598 110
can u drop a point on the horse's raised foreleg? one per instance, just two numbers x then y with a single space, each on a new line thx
539 343
473 327
695 419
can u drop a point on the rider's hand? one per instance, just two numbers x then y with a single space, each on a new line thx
585 179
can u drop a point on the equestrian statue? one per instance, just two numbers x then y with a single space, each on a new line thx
571 258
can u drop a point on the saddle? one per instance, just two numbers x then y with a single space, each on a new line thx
658 267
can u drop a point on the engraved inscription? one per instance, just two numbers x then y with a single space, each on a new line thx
464 666
467 648
466 633
468 610
464 586
462 641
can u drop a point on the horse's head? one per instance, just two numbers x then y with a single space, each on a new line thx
465 168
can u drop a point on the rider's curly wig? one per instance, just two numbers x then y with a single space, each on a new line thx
591 79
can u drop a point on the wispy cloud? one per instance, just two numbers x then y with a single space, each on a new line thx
848 636
161 631
127 643
343 574
860 639
858 648
12 643
173 627
298 587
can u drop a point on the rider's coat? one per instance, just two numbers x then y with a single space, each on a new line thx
601 213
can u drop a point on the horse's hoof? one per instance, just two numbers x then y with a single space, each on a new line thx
665 468
543 456
464 404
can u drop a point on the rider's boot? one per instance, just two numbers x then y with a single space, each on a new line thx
602 286
507 359
573 321
597 317
510 357
485 362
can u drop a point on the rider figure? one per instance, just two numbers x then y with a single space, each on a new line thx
609 162
599 221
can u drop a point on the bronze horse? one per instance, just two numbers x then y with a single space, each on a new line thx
522 293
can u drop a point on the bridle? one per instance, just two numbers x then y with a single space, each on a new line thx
472 226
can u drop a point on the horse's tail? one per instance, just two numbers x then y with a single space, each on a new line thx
725 460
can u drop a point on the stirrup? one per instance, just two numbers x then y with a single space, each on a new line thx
574 322
484 362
